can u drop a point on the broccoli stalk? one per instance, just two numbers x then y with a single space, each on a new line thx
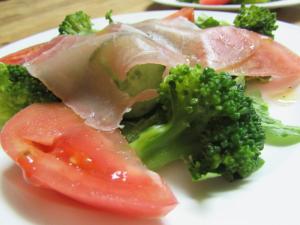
76 23
19 89
209 123
277 133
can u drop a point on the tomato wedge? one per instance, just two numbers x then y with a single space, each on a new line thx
56 150
184 12
29 53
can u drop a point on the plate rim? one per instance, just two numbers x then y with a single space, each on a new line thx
132 15
270 5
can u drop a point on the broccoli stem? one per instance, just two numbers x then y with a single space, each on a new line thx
159 137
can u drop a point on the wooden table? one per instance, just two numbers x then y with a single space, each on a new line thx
21 18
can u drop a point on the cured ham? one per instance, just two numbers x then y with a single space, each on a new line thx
73 69
231 49
86 71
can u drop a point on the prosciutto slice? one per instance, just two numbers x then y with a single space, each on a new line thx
69 70
82 70
231 49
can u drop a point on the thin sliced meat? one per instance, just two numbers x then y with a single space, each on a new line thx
179 35
275 60
228 46
87 88
218 48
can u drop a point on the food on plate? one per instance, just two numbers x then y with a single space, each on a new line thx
163 84
209 123
260 20
57 150
77 23
18 89
254 18
223 2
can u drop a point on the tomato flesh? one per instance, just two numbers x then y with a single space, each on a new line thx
56 150
29 53
184 12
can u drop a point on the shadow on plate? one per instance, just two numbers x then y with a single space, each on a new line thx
46 207
177 175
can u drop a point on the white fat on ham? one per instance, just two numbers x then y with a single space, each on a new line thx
86 87
179 35
218 48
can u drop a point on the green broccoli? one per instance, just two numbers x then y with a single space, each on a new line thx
254 18
257 19
204 21
76 23
208 122
18 89
108 16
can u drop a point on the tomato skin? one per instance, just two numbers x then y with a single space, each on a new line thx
56 150
20 56
184 12
29 53
214 2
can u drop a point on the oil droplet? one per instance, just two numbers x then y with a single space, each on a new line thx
287 97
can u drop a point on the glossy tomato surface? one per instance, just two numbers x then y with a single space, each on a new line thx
56 150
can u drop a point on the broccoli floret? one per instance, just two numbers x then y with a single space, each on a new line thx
209 123
257 19
108 16
18 89
76 23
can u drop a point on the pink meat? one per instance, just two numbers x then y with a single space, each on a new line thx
228 48
84 85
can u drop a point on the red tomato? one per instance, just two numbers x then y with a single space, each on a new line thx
57 150
27 54
214 2
184 12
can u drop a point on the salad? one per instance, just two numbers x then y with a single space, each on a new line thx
84 103
223 2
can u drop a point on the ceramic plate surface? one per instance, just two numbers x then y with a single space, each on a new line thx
269 197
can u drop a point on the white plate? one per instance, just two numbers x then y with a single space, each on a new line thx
271 5
269 197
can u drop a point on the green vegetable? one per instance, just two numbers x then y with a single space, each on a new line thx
208 122
18 89
76 23
254 18
205 21
257 19
248 1
277 133
108 16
